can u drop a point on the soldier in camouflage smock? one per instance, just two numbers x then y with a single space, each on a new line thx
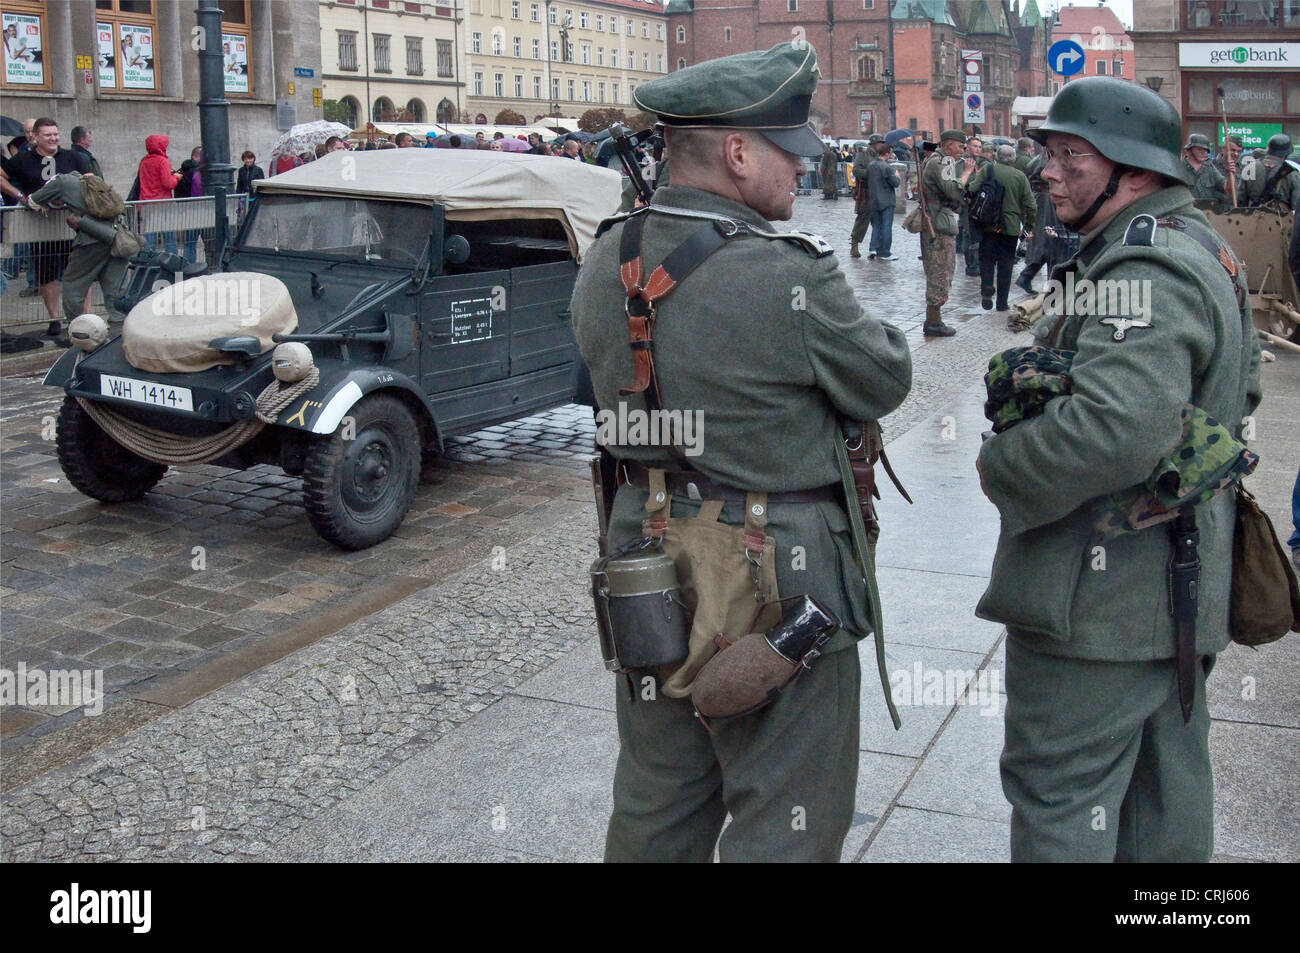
942 178
1208 183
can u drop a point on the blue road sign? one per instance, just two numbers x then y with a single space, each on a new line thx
303 71
1065 57
973 101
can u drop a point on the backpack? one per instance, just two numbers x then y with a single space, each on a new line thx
986 206
100 198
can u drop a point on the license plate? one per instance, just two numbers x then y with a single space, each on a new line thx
146 392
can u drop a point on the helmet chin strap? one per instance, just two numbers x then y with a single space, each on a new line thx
1112 186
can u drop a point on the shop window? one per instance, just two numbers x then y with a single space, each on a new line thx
26 64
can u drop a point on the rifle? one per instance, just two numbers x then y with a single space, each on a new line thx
920 193
1230 164
625 143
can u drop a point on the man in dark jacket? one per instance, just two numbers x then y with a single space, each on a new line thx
248 173
82 140
998 242
884 182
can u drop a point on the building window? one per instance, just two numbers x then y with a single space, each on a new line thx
630 26
600 22
499 84
645 62
568 52
681 34
681 63
613 93
645 30
586 55
126 32
383 62
552 14
600 92
726 33
600 56
414 56
792 6
476 42
586 90
498 42
478 84
347 50
519 87
534 13
571 98
537 87
235 44
555 89
444 58
659 63
517 46
514 9
868 4
1101 67
555 50
659 31
584 19
613 24
537 48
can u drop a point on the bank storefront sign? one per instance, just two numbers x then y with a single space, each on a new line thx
1254 135
1237 55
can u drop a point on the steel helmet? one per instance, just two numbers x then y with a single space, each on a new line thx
1127 123
1196 139
1280 145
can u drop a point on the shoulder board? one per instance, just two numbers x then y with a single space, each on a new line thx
1141 231
814 245
613 220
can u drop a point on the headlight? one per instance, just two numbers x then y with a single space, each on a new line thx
87 332
291 361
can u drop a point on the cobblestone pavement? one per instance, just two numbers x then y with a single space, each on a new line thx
84 585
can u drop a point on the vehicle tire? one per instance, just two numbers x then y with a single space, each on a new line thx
98 465
357 491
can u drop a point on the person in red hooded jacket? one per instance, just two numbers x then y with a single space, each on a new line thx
157 180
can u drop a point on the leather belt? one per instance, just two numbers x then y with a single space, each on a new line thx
693 485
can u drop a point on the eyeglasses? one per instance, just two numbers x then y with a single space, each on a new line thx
1065 157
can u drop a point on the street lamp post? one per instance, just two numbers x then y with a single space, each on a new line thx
550 84
214 122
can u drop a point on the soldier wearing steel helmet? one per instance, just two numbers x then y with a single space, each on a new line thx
1106 753
1272 181
1208 183
764 339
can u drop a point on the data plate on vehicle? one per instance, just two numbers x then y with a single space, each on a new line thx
146 392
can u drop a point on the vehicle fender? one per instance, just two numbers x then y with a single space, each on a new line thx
61 371
321 409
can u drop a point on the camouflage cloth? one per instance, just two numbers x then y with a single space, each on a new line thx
938 258
1021 380
1207 459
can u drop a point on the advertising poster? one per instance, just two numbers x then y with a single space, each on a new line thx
107 56
234 57
136 49
24 62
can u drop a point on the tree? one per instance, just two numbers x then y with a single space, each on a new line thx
337 111
596 120
642 120
508 117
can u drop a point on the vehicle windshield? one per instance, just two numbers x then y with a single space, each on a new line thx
349 229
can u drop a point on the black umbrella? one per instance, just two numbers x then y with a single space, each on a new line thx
10 127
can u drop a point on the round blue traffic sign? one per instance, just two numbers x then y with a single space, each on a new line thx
973 101
1065 57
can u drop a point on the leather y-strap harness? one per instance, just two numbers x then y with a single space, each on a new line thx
643 294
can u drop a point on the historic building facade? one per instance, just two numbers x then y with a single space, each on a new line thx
393 60
129 68
1187 50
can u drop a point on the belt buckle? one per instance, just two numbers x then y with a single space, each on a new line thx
693 491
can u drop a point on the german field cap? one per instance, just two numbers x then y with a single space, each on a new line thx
768 92
952 135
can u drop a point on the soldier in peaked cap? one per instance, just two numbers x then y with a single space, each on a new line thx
765 340
943 178
1208 182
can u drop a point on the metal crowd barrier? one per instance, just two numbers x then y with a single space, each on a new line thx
186 226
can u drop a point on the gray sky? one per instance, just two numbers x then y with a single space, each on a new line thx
1123 8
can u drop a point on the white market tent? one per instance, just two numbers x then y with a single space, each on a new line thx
472 185
390 130
1029 110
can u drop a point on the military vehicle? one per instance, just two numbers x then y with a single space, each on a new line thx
370 306
1259 237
